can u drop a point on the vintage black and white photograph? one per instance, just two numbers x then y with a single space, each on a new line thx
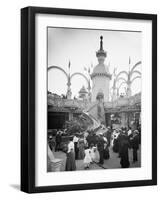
89 99
94 99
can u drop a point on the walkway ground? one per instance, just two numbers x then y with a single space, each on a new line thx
112 163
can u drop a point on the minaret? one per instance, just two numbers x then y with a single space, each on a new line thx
100 77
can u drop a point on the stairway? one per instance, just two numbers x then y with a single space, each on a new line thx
92 114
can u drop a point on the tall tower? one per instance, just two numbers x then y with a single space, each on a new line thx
100 77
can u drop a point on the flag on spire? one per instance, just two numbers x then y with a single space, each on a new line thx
69 64
129 60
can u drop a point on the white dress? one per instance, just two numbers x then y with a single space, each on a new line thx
87 158
95 155
70 146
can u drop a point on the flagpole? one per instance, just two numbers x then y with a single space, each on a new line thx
129 63
69 92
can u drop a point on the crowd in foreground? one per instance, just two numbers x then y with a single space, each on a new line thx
94 148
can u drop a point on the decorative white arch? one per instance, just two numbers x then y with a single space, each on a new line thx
135 72
138 63
128 80
122 72
80 74
135 78
59 68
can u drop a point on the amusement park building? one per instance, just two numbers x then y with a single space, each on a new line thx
122 112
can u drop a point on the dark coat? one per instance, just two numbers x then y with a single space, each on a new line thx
116 146
135 142
108 136
100 144
70 162
106 154
124 154
58 138
91 139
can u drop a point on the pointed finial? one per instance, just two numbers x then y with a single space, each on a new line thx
129 60
101 52
101 43
69 64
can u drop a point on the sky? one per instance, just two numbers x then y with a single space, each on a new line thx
79 46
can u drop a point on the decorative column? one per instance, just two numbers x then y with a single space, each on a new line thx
69 92
89 91
129 89
114 94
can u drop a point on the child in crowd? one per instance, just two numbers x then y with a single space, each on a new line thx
95 154
87 158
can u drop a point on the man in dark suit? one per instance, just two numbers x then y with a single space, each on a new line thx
100 146
135 145
58 140
123 150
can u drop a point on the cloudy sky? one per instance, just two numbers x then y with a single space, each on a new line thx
80 46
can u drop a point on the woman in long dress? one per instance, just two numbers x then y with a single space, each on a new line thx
76 149
81 147
124 154
70 161
106 154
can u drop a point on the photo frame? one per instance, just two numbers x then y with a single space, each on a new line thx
35 24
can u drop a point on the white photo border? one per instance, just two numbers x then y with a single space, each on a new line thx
42 178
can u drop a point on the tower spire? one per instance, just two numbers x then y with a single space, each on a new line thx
101 52
101 42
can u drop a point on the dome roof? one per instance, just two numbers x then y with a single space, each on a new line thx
100 70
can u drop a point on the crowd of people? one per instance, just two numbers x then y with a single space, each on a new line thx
123 140
91 148
94 147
